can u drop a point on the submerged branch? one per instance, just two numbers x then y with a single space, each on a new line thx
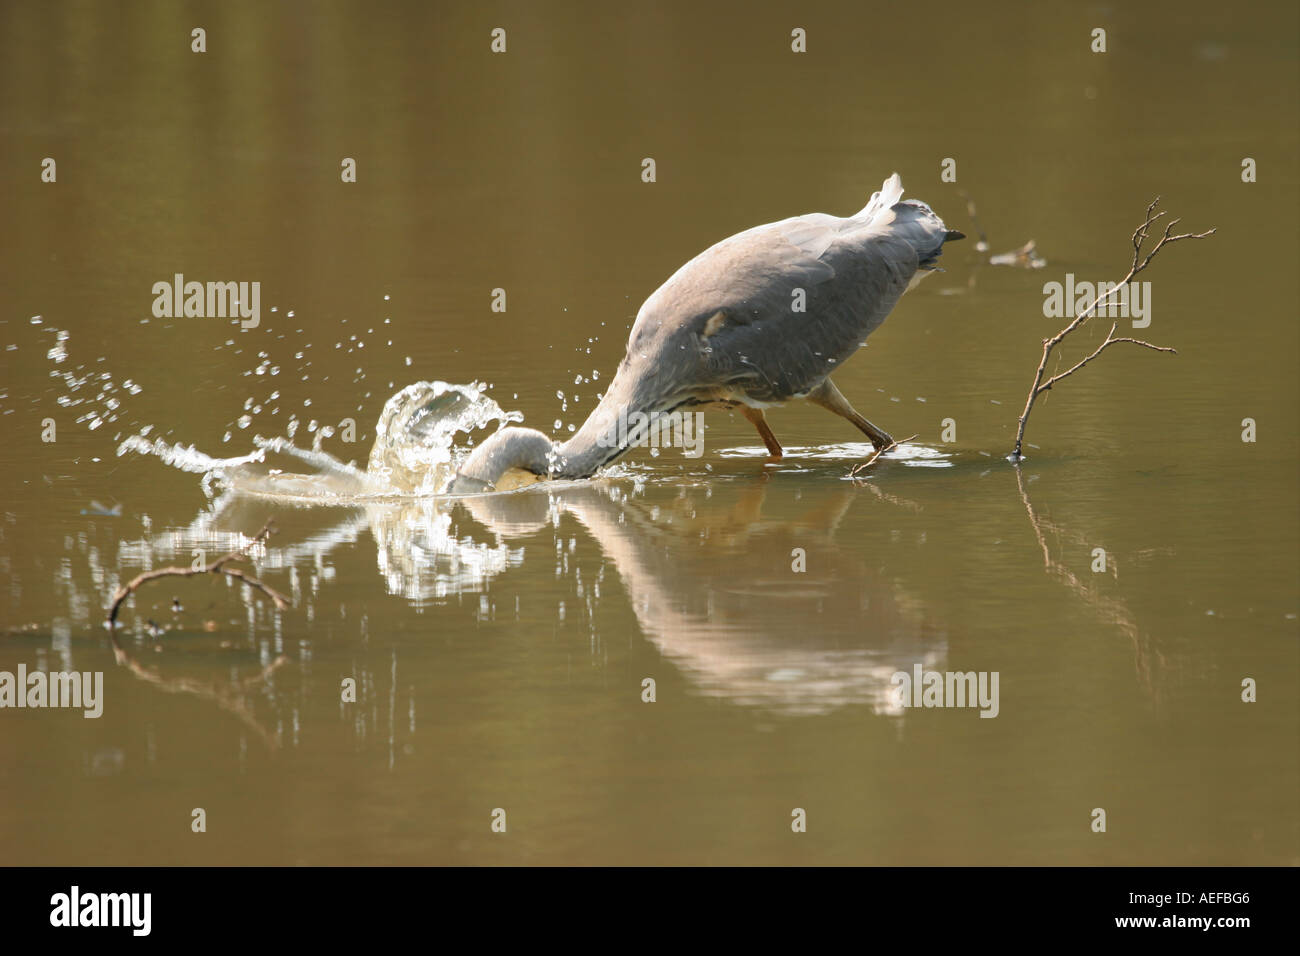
216 567
230 699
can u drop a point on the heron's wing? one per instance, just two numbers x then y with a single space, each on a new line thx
799 297
810 236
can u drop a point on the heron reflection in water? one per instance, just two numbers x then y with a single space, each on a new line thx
763 639
831 640
754 321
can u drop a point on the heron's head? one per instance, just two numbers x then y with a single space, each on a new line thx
511 449
647 380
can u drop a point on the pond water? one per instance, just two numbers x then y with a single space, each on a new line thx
500 644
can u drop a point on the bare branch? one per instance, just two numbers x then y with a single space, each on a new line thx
230 699
1140 262
216 567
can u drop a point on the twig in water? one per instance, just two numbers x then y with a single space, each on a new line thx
872 460
1139 264
230 699
216 567
1026 257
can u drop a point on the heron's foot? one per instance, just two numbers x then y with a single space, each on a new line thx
828 397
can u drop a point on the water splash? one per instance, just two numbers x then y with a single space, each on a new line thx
414 449
420 440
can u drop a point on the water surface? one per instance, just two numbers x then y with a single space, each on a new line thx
499 643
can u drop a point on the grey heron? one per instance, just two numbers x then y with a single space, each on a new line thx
760 318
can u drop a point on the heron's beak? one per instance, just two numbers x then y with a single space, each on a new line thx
512 480
465 485
508 459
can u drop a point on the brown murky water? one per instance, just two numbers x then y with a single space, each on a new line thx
499 644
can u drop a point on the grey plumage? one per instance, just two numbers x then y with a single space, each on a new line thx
723 331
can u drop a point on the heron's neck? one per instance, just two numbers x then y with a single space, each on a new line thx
619 421
613 426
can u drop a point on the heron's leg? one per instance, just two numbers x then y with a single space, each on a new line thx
828 396
755 415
